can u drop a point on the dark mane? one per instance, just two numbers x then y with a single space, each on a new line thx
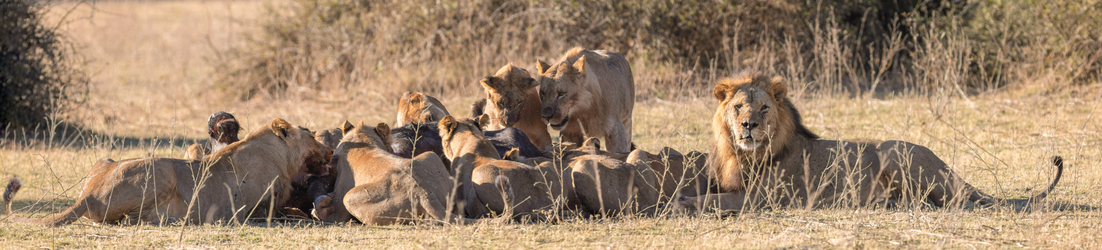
797 120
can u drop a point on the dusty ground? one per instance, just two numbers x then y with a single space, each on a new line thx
150 64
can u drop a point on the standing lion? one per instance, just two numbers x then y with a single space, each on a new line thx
589 93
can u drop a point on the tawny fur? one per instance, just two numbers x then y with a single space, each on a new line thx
417 107
478 165
607 186
512 100
378 188
589 94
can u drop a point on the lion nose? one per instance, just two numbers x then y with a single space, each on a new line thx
749 125
546 113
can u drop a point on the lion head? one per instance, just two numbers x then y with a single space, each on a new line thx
463 136
315 156
417 107
565 88
363 136
506 92
754 120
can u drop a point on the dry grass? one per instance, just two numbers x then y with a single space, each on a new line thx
150 72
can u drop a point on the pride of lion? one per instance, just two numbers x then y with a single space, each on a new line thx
502 162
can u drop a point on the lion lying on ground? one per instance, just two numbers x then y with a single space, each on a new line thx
378 188
512 100
589 94
607 186
243 179
492 185
676 173
416 107
763 152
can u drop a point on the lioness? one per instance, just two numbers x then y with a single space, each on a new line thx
476 162
241 180
676 173
589 94
607 186
512 100
416 107
761 147
378 188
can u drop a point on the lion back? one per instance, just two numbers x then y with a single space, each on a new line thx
617 83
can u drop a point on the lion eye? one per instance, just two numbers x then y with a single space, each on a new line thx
738 106
561 94
764 109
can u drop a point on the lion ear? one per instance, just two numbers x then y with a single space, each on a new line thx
524 72
280 127
778 90
530 83
426 117
477 107
416 97
446 125
488 83
593 142
483 121
511 155
346 127
383 130
721 91
405 97
580 65
542 67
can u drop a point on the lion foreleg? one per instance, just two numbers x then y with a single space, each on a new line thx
619 137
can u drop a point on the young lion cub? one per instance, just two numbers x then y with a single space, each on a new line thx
512 100
589 94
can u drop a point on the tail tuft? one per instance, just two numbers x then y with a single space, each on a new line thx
1058 161
13 187
9 193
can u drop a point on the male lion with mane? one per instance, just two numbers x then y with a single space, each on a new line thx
761 146
589 93
241 180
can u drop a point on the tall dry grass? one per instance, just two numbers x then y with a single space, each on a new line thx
856 48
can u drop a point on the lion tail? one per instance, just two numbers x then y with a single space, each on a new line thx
71 214
1059 163
9 193
506 191
1056 161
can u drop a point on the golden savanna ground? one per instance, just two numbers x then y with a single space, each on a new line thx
151 63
